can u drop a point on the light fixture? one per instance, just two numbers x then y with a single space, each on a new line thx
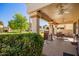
63 9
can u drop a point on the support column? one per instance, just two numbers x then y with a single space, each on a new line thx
34 19
74 28
78 26
51 30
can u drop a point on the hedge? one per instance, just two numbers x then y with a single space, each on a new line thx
25 44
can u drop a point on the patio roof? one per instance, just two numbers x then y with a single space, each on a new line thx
48 11
36 6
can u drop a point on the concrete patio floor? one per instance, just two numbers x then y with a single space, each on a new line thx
57 47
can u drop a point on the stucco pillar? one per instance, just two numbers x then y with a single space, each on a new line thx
78 26
34 20
74 28
51 30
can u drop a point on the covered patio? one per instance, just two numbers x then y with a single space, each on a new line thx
56 14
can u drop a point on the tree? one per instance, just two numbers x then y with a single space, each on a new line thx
1 23
19 22
1 26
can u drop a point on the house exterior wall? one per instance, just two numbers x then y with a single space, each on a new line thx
67 29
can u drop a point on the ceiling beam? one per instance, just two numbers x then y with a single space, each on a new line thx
68 22
46 17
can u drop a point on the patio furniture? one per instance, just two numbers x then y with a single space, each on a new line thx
77 48
74 43
60 35
46 33
50 37
67 54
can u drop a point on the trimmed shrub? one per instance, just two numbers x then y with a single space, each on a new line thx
23 44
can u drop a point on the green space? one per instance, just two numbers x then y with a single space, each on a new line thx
21 44
17 40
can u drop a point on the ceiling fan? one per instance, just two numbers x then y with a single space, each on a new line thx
63 8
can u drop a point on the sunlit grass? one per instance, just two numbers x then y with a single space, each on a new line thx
42 34
16 32
13 33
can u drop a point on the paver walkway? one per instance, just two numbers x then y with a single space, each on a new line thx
57 47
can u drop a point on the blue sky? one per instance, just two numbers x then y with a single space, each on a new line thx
8 10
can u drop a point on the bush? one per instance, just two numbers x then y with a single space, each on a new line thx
24 44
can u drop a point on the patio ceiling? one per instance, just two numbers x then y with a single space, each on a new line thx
36 6
49 12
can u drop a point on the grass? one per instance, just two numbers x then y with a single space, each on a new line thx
14 33
42 34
